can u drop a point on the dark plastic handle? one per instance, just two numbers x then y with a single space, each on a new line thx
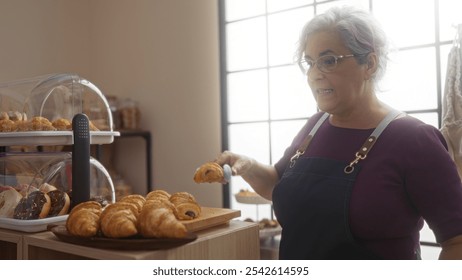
80 160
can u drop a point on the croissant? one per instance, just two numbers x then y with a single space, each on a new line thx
135 199
209 172
160 222
158 194
162 203
83 220
186 206
119 220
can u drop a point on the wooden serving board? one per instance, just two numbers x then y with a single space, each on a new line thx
211 217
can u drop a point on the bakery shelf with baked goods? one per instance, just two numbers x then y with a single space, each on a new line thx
40 110
53 110
36 189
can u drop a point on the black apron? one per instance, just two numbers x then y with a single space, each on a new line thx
311 202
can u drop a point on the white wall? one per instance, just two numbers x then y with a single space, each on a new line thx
162 53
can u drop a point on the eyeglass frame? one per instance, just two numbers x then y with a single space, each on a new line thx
315 62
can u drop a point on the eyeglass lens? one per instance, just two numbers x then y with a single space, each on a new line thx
325 63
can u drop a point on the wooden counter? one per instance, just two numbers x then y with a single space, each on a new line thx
233 240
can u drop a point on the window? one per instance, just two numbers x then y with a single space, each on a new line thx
266 99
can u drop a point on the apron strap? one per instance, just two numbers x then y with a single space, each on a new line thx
370 141
363 151
306 142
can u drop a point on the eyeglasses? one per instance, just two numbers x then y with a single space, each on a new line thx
325 63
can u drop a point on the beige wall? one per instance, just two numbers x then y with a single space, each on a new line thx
43 36
162 53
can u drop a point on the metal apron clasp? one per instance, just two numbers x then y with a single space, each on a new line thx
294 158
350 167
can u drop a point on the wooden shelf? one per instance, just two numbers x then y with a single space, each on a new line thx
234 240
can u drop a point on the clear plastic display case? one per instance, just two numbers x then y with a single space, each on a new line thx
29 171
26 173
39 111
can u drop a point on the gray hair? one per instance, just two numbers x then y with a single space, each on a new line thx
360 31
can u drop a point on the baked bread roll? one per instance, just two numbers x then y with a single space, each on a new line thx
210 172
22 125
186 206
83 220
4 116
9 199
8 126
35 205
60 203
160 222
119 220
62 124
40 124
15 116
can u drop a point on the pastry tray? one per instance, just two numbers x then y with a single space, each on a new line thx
269 232
131 243
45 138
251 199
31 225
211 217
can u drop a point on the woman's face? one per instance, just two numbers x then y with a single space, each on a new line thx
342 90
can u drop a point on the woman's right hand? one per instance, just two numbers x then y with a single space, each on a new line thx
240 164
261 177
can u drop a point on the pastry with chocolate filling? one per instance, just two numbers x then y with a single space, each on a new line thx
35 205
210 172
162 203
60 203
186 206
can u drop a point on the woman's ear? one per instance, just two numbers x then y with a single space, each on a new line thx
372 65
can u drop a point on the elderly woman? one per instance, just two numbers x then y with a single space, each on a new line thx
360 178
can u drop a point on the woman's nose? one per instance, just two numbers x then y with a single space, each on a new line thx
314 74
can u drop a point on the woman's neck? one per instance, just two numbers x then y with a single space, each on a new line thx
365 116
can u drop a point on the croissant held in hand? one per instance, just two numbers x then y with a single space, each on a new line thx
159 222
83 220
119 220
209 172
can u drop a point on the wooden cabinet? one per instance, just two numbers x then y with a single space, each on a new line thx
233 240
